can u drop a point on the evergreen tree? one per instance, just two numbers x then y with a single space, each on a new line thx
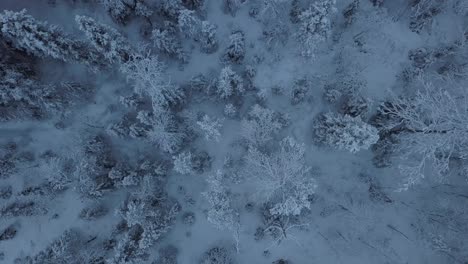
122 10
345 132
35 37
167 42
208 41
43 40
315 25
189 24
229 83
105 39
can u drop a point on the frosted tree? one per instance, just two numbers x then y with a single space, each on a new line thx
355 105
171 7
315 25
55 170
22 97
217 255
189 24
147 74
282 178
194 4
167 255
230 110
34 37
221 213
431 128
211 127
231 6
422 13
229 84
160 129
151 210
117 9
127 249
11 158
121 10
123 174
183 163
208 41
64 249
43 40
92 166
345 132
166 42
271 10
260 126
235 52
105 39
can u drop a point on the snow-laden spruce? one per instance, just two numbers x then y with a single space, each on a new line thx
315 25
122 10
107 40
208 40
189 24
229 83
211 128
344 132
167 42
221 212
43 40
183 163
235 52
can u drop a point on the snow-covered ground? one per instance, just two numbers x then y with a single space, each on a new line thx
280 131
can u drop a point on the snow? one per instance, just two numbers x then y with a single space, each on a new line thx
255 116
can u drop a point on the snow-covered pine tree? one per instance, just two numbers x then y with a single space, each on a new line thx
43 40
315 25
183 163
171 8
229 83
231 6
151 210
189 24
105 39
167 42
217 255
221 213
235 52
122 10
35 37
345 132
208 41
211 127
193 4
23 96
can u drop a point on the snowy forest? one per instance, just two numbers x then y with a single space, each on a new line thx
234 131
